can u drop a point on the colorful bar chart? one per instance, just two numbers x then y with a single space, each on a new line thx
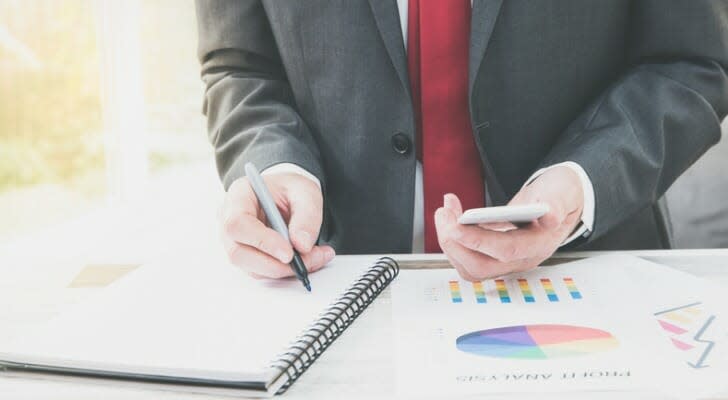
455 292
479 292
500 286
549 288
573 290
526 290
512 290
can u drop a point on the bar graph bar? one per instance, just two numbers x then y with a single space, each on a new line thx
455 292
526 290
479 292
500 286
573 290
549 288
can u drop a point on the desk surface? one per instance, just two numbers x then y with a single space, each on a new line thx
358 365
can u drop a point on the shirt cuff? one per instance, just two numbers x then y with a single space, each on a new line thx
587 215
289 168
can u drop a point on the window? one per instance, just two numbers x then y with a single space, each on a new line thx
99 102
51 143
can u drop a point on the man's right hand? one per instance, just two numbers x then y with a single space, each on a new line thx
261 251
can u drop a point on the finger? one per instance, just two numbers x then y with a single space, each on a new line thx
248 230
441 235
452 203
306 205
510 246
470 264
572 218
318 257
461 269
259 265
554 218
555 196
498 226
255 276
527 264
240 198
256 262
241 223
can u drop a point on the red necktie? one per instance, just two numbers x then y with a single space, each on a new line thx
438 41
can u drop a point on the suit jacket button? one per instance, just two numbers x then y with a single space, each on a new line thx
401 143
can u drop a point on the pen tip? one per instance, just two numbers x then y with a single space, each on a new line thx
307 286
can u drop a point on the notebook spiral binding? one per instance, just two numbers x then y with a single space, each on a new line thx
332 322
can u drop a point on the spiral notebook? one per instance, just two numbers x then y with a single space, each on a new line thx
202 328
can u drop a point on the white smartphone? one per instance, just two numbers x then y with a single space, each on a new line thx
513 214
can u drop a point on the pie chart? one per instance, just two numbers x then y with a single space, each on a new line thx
536 342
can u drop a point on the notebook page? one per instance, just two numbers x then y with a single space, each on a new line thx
195 318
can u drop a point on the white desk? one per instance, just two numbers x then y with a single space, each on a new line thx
358 365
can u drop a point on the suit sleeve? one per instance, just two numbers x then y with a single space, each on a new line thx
660 116
249 103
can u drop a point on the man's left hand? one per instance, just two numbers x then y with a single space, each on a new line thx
484 251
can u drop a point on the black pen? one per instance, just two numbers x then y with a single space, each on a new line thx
276 220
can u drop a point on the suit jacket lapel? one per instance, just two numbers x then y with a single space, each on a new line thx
485 13
386 15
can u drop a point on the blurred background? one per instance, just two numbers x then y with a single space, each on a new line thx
100 113
102 136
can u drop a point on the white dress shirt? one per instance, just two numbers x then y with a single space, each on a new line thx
418 224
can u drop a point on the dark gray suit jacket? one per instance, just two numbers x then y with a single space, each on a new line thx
633 91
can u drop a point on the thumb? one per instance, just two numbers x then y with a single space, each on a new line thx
554 218
306 207
445 219
534 194
452 203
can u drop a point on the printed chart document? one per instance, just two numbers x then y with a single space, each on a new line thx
583 326
691 313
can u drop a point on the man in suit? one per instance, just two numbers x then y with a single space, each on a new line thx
364 114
